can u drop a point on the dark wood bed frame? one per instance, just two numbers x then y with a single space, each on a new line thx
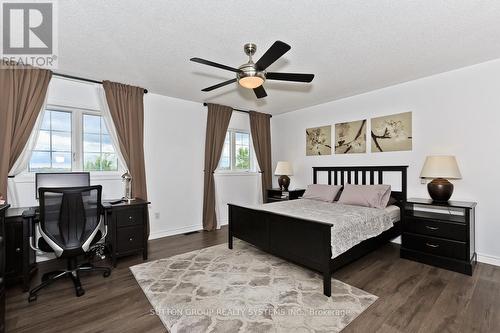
306 242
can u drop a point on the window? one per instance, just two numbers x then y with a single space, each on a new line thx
53 148
236 154
73 140
98 151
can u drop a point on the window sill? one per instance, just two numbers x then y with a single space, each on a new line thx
236 173
29 177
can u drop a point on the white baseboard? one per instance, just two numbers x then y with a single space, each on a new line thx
177 231
488 259
223 222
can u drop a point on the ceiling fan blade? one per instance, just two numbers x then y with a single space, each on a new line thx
296 77
214 64
274 53
222 84
260 92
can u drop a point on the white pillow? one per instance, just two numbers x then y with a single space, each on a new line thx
321 192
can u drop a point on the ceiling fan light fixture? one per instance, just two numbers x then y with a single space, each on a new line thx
252 75
251 82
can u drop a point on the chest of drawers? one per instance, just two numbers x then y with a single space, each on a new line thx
128 228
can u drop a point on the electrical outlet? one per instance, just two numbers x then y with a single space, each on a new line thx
157 215
423 181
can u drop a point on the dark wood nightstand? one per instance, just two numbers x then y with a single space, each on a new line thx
275 194
440 234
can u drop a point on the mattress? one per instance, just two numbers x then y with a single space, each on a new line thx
350 224
394 213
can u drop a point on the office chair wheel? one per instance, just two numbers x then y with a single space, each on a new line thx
32 298
80 292
106 274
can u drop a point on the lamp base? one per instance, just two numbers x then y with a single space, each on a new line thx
284 182
440 189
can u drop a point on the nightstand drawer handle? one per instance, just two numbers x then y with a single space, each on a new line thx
431 245
130 217
131 239
431 228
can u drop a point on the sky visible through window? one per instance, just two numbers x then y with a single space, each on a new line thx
53 149
98 151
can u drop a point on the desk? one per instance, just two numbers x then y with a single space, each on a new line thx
3 208
127 234
20 263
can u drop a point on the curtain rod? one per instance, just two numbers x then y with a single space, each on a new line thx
239 110
83 79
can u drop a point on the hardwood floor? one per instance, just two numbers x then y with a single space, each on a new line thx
412 297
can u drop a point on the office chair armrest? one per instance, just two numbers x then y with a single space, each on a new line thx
31 214
105 232
33 245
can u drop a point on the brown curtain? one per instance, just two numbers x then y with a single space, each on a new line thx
22 93
127 110
260 125
217 122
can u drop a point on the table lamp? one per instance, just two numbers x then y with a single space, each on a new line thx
284 169
440 168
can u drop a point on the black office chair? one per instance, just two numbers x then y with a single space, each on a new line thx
70 222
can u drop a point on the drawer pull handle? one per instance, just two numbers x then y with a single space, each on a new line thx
431 228
131 239
18 249
130 217
431 245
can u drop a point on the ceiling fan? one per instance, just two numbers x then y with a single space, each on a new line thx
252 75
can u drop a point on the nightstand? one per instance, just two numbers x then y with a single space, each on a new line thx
275 194
440 234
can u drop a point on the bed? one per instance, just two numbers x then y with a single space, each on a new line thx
302 231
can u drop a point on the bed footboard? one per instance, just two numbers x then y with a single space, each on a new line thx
304 242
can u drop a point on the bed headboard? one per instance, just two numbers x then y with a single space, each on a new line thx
340 175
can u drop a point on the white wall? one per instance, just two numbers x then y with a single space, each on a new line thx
174 136
237 188
174 152
174 140
455 113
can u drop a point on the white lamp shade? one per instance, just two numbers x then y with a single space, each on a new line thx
440 167
283 169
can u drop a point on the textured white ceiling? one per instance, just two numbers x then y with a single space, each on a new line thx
352 46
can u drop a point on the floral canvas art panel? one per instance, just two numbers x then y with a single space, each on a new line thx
319 141
392 133
350 137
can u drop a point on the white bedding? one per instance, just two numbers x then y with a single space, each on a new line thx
350 224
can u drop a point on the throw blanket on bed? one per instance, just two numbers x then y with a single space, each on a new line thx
350 224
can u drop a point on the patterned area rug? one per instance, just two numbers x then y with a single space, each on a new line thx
245 290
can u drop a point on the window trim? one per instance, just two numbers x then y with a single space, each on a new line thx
77 142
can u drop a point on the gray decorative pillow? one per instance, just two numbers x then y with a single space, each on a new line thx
321 192
375 196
